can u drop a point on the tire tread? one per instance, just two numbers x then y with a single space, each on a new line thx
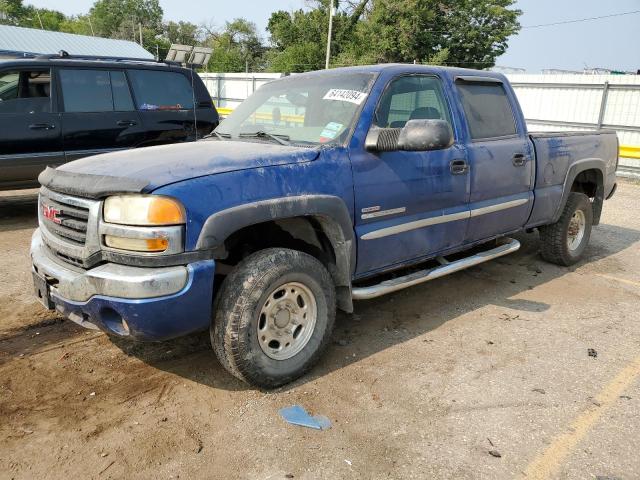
240 289
553 247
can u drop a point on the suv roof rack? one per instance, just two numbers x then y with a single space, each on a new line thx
63 55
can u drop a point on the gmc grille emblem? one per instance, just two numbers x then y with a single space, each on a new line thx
51 213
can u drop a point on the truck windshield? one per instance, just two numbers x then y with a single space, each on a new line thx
308 109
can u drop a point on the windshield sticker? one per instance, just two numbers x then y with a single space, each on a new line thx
331 131
343 95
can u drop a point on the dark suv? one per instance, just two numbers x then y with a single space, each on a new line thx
58 109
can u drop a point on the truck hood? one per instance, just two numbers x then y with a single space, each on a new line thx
146 169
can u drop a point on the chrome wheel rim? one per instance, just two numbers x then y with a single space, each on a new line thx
577 227
286 320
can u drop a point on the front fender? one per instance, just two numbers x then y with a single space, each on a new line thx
331 212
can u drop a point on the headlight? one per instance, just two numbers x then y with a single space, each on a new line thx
150 224
143 210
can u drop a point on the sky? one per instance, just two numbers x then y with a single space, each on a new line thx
606 43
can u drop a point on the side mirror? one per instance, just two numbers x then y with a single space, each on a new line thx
424 135
382 139
415 136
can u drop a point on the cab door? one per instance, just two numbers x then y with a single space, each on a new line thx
501 160
409 205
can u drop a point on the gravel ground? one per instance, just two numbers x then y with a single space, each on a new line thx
481 375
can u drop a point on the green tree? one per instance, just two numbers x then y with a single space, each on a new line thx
120 18
236 48
43 18
478 32
11 12
109 18
298 39
183 33
469 33
80 25
14 12
466 33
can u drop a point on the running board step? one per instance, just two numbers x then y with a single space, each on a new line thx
505 247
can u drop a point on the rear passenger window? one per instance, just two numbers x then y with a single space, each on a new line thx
156 90
487 109
86 90
95 91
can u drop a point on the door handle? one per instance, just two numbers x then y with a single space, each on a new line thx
519 160
458 167
126 123
42 126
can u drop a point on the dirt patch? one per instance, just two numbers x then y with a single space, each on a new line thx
424 383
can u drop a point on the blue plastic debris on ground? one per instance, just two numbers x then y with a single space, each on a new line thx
297 415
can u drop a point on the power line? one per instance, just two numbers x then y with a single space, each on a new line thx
588 19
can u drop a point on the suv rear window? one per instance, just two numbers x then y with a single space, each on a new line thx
487 109
155 90
95 91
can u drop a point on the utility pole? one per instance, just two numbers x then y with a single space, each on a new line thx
39 19
91 26
332 11
140 28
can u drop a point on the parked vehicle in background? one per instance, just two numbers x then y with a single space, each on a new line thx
58 109
305 198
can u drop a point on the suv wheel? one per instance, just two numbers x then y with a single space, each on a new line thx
274 316
565 241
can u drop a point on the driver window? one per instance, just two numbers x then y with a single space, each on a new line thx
25 91
410 98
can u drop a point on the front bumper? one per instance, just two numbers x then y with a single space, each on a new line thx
137 302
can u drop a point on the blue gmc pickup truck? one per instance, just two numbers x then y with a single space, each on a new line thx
320 189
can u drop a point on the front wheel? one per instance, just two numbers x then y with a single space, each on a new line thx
565 241
274 316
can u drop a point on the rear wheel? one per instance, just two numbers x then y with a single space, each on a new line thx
274 317
565 241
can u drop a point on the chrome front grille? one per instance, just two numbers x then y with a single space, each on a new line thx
66 221
69 226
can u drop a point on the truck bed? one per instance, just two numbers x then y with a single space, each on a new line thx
560 153
568 133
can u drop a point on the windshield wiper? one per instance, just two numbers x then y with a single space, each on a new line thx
281 139
221 136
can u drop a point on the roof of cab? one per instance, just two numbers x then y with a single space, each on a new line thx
399 68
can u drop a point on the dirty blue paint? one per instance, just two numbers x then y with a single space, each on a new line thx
150 319
214 175
329 174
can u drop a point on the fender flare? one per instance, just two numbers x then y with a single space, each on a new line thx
576 169
330 211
